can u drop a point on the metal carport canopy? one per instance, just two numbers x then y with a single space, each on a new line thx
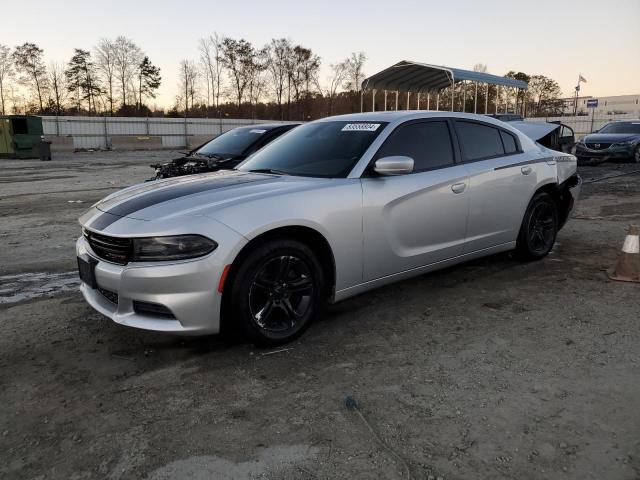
415 77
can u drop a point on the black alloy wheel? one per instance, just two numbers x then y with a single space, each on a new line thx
276 291
539 227
281 293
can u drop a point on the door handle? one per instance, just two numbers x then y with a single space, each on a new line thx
458 187
526 170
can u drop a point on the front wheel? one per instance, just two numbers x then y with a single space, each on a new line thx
277 291
539 228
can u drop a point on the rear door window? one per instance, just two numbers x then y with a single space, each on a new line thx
428 143
479 141
509 142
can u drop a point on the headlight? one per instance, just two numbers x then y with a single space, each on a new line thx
179 247
628 142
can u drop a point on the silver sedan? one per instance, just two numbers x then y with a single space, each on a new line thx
331 209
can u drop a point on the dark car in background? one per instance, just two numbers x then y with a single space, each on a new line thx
616 140
223 152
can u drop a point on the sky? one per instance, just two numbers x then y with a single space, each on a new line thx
556 38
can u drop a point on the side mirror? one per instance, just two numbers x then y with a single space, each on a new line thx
395 165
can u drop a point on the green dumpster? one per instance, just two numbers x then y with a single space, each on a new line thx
21 136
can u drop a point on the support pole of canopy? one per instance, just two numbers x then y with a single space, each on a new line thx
453 91
385 100
418 101
506 99
464 96
486 99
396 100
497 97
407 106
373 100
428 100
438 100
475 100
361 101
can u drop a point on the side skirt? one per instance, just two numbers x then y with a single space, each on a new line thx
414 272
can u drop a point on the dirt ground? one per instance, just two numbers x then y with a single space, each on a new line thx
492 369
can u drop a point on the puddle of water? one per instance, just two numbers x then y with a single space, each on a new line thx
27 286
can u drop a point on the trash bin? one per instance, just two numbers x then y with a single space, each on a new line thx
44 150
21 136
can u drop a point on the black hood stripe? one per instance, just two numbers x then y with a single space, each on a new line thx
164 194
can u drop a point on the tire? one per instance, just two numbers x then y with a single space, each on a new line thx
539 228
276 292
636 155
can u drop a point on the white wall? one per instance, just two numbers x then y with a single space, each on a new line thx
583 124
97 132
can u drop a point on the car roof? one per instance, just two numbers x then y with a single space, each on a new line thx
400 116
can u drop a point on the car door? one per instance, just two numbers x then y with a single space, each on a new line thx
502 180
419 218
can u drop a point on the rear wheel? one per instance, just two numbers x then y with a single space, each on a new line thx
277 291
539 228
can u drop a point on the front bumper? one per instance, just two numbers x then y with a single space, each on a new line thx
613 152
188 289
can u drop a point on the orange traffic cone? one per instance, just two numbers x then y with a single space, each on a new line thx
628 267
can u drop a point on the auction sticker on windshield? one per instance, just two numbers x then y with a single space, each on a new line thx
360 127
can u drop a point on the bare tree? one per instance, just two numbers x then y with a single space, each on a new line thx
257 83
480 67
105 53
6 72
212 66
278 54
127 59
188 83
58 83
355 75
28 61
17 99
334 81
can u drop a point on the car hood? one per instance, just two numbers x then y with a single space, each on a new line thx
610 137
199 195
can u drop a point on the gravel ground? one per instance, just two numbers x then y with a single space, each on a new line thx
492 369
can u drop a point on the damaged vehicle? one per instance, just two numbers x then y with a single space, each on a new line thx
553 135
334 208
223 152
616 140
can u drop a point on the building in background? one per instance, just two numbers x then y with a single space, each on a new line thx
614 105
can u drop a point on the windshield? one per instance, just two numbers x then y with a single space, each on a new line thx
319 149
233 142
621 127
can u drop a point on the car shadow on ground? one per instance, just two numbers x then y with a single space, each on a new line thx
161 350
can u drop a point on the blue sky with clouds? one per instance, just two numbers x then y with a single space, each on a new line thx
557 38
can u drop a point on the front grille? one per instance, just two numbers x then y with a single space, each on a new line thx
112 249
598 146
109 295
154 309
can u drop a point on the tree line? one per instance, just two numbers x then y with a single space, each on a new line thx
280 80
114 78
